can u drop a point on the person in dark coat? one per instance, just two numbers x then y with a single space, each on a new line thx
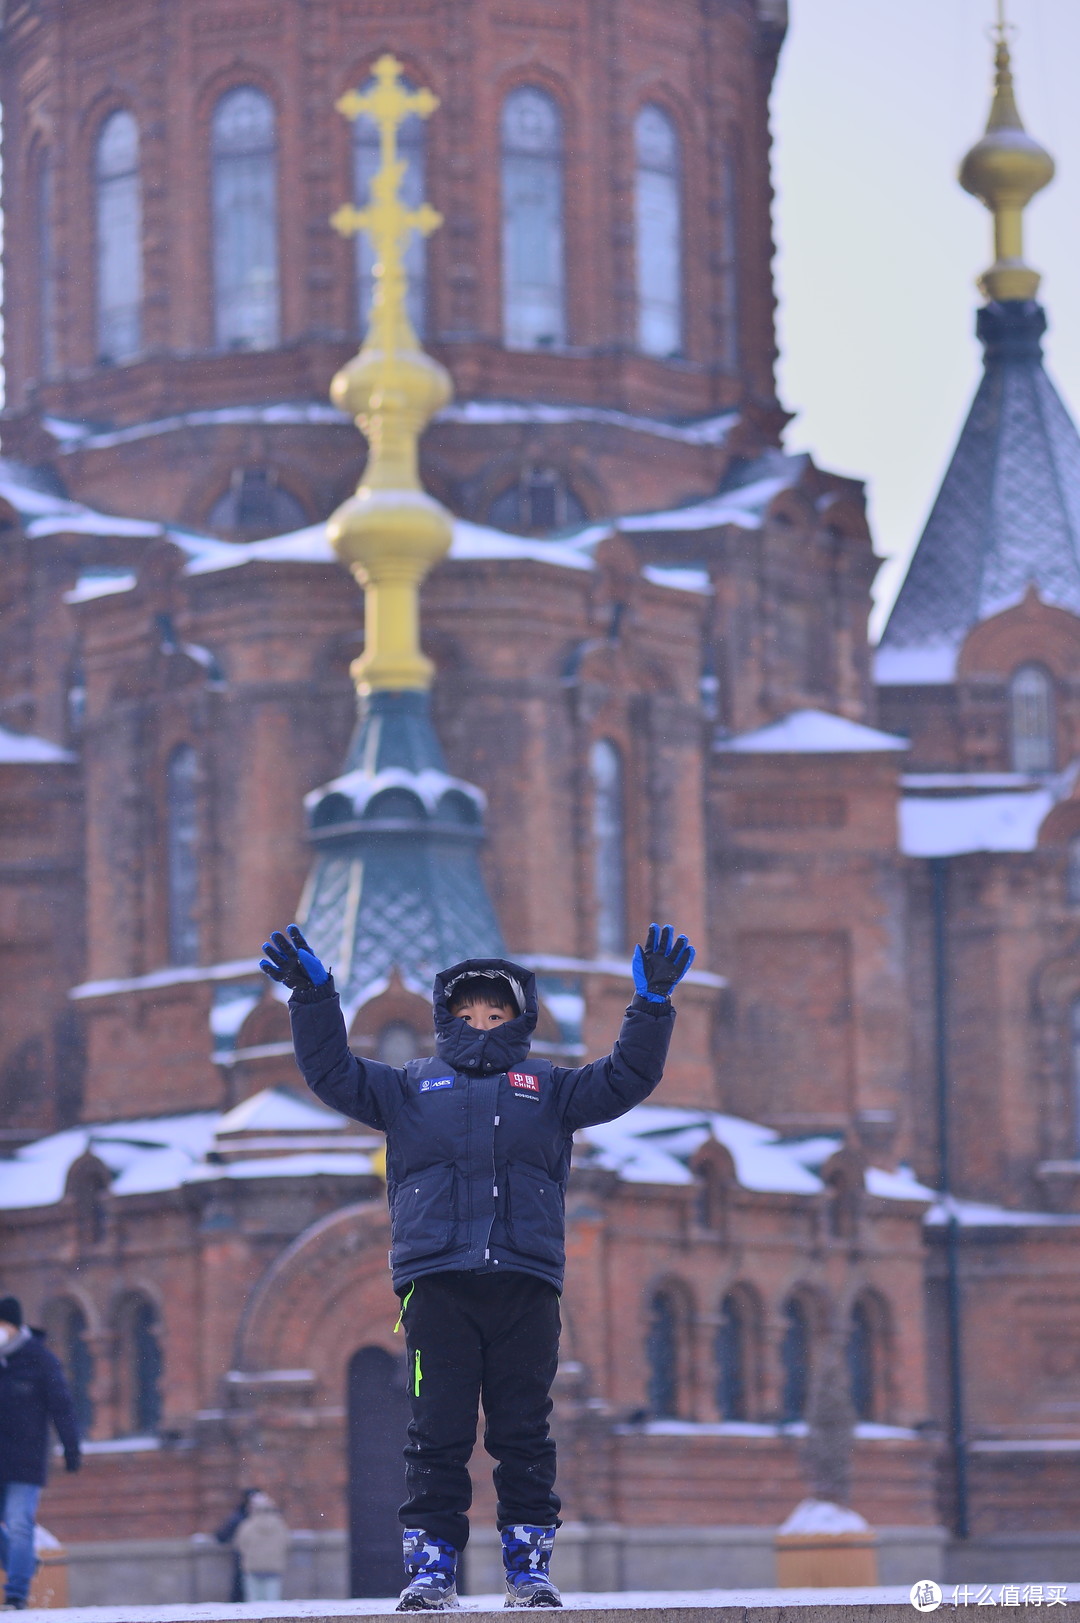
478 1143
225 1534
33 1391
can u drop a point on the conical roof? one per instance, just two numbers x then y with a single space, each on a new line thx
1008 513
396 881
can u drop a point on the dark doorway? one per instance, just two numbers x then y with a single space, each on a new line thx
378 1417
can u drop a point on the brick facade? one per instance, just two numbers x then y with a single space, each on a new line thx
669 637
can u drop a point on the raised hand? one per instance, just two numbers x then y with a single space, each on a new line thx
290 961
661 963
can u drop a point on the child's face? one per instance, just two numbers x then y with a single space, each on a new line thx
482 1016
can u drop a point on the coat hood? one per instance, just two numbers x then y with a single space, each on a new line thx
484 1052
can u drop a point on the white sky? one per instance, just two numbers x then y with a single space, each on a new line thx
876 101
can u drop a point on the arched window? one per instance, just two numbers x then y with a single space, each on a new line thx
140 1366
411 149
244 162
731 1349
47 289
729 263
861 1361
255 505
1031 720
538 502
794 1361
534 275
609 846
658 209
398 1043
65 1323
662 1356
182 856
119 239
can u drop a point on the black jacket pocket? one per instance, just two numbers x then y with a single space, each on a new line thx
535 1222
422 1214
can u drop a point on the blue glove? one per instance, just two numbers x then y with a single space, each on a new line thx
661 963
292 963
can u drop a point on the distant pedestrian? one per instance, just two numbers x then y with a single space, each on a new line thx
225 1535
262 1540
33 1391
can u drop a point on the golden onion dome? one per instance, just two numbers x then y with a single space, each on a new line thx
1004 170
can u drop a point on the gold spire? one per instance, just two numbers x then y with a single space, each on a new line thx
390 533
1004 171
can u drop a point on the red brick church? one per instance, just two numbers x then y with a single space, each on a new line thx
653 695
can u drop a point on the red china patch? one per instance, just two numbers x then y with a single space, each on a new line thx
523 1081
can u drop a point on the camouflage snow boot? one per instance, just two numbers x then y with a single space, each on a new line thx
431 1570
526 1553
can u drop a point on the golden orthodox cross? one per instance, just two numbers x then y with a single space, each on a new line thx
386 219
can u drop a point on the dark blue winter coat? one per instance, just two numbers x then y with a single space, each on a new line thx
33 1391
479 1138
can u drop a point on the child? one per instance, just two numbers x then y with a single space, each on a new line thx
478 1146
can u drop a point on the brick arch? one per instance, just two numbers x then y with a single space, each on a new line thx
324 1296
1031 632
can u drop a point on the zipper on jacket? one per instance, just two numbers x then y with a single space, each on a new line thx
405 1300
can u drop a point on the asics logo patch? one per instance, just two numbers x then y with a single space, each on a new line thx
429 1084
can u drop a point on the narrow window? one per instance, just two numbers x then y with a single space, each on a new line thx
860 1356
659 234
534 294
1075 1022
140 1366
661 1353
795 1361
609 847
182 856
47 290
1031 717
411 151
731 1360
244 162
119 239
729 264
398 1043
65 1325
1072 871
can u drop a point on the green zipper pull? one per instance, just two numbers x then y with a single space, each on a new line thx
417 1375
404 1304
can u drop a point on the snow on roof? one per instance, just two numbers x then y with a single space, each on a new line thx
429 785
682 578
276 1110
654 1143
745 507
899 1185
23 749
43 512
813 732
706 431
311 545
100 583
167 977
983 1214
915 667
73 436
952 825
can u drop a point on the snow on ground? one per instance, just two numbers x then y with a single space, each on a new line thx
813 732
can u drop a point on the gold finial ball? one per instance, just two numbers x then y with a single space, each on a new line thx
411 381
1006 168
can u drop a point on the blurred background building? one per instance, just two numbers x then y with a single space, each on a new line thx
654 697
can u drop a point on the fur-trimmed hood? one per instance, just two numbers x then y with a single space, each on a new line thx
484 1052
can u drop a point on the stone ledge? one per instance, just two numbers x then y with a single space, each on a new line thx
885 1605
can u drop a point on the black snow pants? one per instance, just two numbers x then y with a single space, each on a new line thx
475 1337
